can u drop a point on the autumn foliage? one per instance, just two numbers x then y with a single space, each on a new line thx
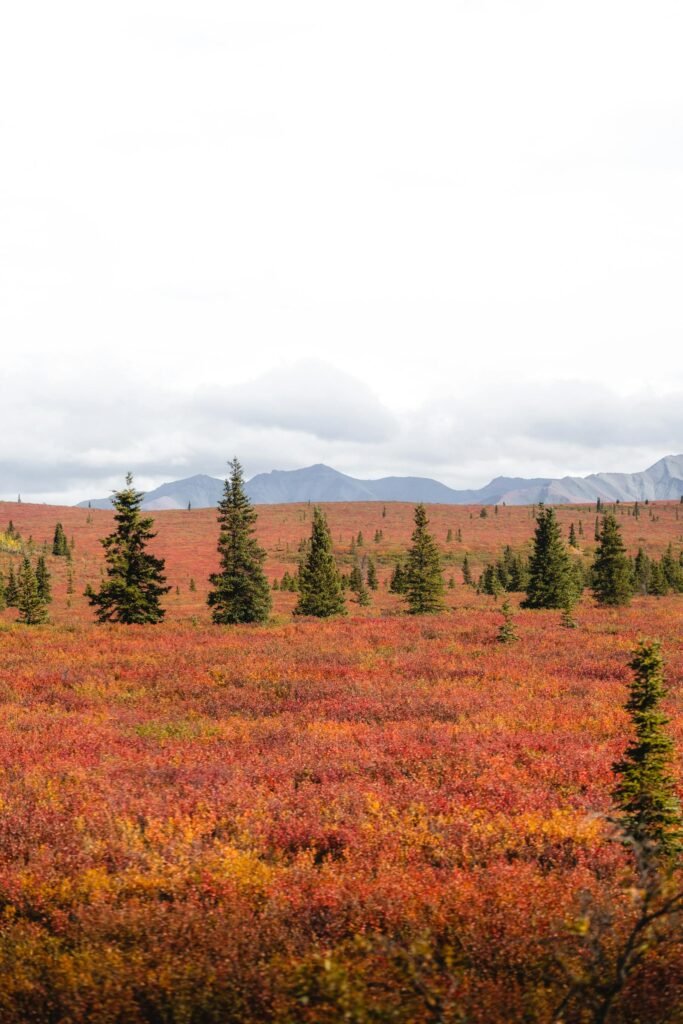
378 818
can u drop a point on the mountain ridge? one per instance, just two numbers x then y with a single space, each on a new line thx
320 483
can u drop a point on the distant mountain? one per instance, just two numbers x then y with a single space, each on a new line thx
318 483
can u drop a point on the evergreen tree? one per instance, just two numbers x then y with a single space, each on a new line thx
43 580
397 583
357 585
550 577
241 592
645 794
573 542
449 536
612 582
424 586
3 595
642 571
466 572
320 586
372 575
135 581
32 610
60 545
506 632
596 532
12 589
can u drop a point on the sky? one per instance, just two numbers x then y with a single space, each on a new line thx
435 238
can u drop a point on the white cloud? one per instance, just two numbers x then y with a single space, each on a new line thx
457 207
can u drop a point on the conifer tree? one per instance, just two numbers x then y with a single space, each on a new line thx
466 572
12 589
3 597
397 581
357 585
612 581
32 607
60 545
506 632
424 586
573 542
43 580
135 583
550 578
645 794
320 586
372 575
241 592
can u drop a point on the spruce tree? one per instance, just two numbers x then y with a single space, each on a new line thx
506 631
3 597
645 794
12 589
424 586
397 580
43 580
135 581
320 586
612 580
550 578
241 592
372 581
32 607
60 545
466 572
573 542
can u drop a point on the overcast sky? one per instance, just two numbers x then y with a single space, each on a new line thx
438 238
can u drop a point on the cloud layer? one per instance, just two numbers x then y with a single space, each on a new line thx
76 443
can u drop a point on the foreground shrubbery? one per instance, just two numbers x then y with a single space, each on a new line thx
365 820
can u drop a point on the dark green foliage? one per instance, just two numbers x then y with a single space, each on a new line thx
424 586
32 607
11 589
357 585
645 794
135 581
3 596
550 577
612 582
467 572
510 573
397 583
371 577
359 539
573 542
193 585
241 592
483 513
320 585
449 536
43 580
506 632
60 545
596 532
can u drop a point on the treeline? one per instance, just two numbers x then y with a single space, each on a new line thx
134 582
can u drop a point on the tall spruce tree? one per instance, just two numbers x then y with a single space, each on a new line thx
321 591
32 607
241 592
43 580
60 545
11 589
135 583
645 794
550 578
612 578
423 578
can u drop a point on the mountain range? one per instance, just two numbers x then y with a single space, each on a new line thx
663 480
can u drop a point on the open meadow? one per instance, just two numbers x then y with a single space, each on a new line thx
381 817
